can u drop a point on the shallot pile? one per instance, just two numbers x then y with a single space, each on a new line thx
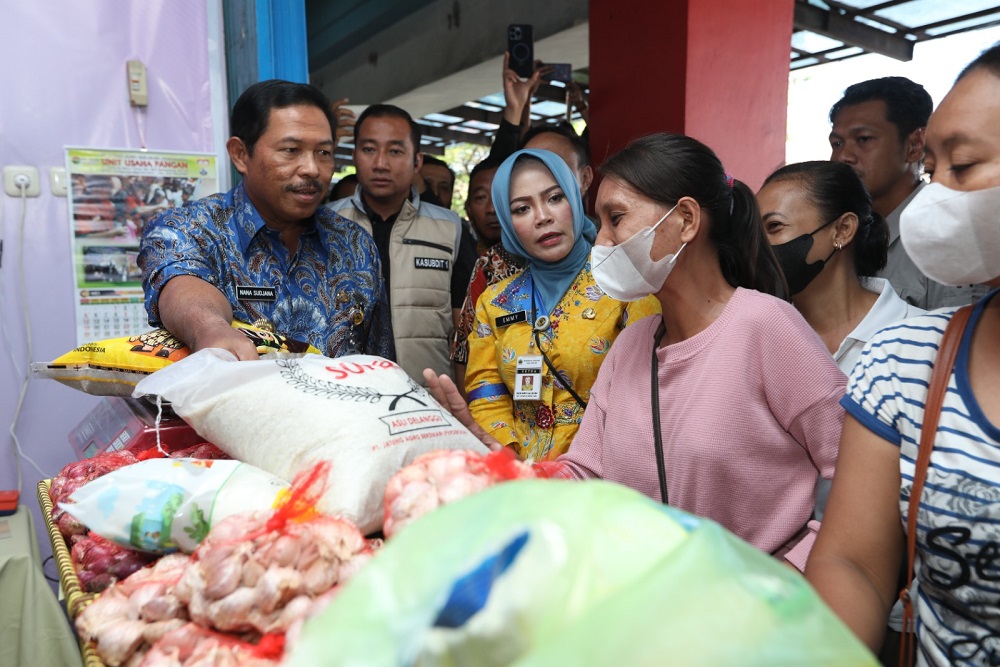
75 475
100 562
444 476
205 450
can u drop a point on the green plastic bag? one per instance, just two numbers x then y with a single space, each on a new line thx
542 572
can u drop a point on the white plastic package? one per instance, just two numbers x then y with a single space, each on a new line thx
165 505
363 414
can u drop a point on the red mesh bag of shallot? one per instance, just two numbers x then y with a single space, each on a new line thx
444 476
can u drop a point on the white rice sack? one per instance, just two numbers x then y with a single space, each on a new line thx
361 413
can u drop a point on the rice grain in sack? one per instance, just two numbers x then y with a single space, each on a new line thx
364 414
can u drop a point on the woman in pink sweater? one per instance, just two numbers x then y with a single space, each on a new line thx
745 399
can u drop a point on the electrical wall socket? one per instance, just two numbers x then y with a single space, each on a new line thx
138 94
14 177
57 181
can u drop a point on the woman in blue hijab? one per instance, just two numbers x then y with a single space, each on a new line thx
541 335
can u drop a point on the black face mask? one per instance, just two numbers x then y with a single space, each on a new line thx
792 258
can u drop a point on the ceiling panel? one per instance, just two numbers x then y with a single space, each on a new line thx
825 31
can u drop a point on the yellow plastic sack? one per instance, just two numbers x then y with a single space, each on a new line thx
112 367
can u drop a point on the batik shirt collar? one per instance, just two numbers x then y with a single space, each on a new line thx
248 219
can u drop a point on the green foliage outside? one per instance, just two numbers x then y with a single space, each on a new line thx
462 158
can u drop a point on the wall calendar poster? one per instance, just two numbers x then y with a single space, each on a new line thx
113 194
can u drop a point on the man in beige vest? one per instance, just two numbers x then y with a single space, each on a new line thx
426 256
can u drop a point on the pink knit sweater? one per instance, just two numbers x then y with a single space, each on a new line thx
749 412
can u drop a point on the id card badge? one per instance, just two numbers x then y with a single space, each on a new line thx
528 378
256 293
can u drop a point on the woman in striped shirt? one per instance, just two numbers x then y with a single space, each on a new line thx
951 231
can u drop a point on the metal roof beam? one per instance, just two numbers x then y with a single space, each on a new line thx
454 136
960 19
846 29
471 113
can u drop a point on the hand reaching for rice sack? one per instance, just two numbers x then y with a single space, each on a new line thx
362 414
442 477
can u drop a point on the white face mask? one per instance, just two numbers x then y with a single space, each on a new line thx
953 236
626 272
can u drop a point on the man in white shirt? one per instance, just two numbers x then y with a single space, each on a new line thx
878 129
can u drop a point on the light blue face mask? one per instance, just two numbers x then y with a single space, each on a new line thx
626 272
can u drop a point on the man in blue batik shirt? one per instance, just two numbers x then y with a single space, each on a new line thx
266 252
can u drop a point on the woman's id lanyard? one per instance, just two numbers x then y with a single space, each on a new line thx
542 323
528 378
528 367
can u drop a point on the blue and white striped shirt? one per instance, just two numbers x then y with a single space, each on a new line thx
958 541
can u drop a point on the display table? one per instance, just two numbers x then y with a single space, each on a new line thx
33 628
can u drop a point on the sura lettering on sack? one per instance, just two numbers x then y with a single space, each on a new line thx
293 374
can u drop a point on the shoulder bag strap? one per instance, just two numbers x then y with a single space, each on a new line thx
654 396
944 362
556 377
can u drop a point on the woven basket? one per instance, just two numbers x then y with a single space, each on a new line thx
76 597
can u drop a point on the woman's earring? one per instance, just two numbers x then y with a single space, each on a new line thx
838 246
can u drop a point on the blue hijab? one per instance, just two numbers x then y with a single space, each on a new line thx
551 279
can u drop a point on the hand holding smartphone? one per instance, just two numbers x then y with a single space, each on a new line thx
521 47
562 72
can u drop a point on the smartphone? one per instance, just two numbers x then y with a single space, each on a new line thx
521 47
559 72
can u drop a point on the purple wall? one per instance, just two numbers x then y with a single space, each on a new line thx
63 84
